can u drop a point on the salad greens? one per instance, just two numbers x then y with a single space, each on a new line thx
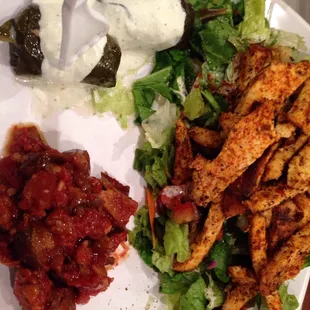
289 302
174 89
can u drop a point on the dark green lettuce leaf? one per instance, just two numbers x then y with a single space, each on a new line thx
179 283
221 253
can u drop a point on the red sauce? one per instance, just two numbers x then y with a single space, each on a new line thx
59 226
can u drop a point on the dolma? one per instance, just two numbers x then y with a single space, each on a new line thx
26 56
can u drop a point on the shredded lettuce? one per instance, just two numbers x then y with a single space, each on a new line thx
118 100
194 298
159 127
213 294
284 38
176 241
289 302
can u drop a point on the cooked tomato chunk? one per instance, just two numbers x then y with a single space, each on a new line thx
8 212
62 299
185 213
63 228
32 289
38 193
91 223
26 139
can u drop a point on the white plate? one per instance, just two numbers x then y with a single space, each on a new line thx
111 149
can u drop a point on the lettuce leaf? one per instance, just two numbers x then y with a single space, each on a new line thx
173 301
144 91
141 236
307 263
254 26
162 261
194 106
284 38
176 240
213 294
155 164
289 302
221 253
194 298
159 127
118 100
179 283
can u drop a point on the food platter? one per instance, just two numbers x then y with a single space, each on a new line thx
111 149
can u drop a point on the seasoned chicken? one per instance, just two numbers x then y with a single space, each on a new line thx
287 262
271 196
274 301
250 181
283 224
232 203
300 111
239 296
302 203
183 154
227 121
258 242
298 175
205 240
285 130
247 141
252 63
206 137
241 275
277 82
281 157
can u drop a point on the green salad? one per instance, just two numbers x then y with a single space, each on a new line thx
193 84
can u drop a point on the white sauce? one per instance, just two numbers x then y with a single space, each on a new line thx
148 26
51 35
144 24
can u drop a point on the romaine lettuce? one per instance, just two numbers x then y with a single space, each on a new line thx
213 294
194 298
289 302
176 241
118 100
254 26
159 127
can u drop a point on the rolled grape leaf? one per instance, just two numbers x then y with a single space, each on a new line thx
189 24
26 56
104 74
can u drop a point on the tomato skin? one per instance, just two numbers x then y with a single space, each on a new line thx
185 213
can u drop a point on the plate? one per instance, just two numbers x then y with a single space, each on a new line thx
112 149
